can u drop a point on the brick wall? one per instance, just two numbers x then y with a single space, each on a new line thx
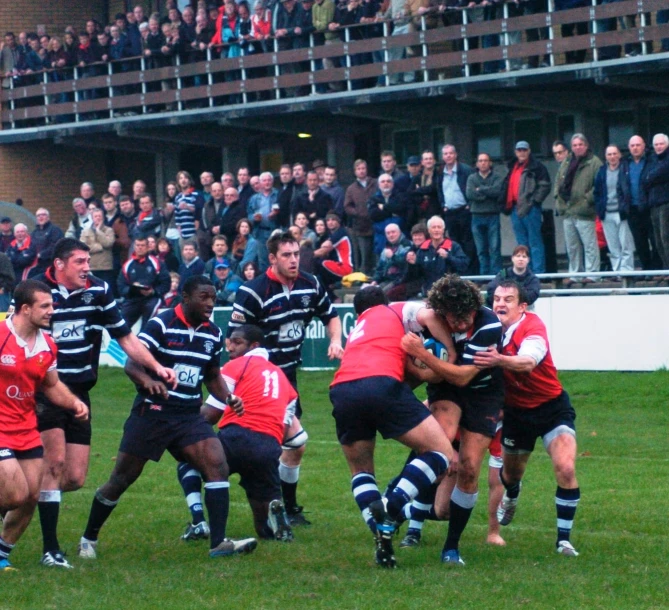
25 15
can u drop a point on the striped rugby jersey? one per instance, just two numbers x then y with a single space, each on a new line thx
282 313
79 317
189 352
185 219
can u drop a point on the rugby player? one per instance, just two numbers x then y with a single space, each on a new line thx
27 363
369 394
282 302
184 340
462 395
83 306
535 405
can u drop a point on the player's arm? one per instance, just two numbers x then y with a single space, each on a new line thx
459 375
138 352
142 379
333 328
439 329
219 390
532 351
420 374
59 394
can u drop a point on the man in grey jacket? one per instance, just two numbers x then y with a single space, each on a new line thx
484 188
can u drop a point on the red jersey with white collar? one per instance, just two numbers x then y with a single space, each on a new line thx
21 374
373 348
269 399
529 390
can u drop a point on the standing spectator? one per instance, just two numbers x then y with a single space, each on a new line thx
401 181
285 195
128 213
100 239
44 238
212 194
520 273
263 210
299 184
322 15
314 203
21 252
634 167
612 201
386 206
245 248
359 223
484 188
142 283
87 193
206 181
576 202
392 266
525 187
80 219
191 263
220 248
422 191
230 211
149 220
289 22
7 280
187 207
115 188
12 61
656 191
138 189
121 238
243 185
6 233
332 187
451 190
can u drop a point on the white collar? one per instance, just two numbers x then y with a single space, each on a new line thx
40 342
509 331
258 351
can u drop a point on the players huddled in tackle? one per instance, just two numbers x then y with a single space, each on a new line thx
491 387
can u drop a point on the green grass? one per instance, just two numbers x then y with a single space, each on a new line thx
621 526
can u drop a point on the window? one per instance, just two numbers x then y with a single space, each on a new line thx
529 130
438 140
658 121
488 139
621 127
406 143
566 128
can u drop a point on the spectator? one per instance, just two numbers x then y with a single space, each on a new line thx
229 213
285 195
128 213
243 185
245 248
44 238
519 272
12 61
6 233
612 202
149 220
206 181
220 248
392 266
452 193
634 167
302 223
139 189
576 202
191 263
360 224
524 189
333 260
411 284
321 232
422 191
100 239
87 193
314 202
169 218
332 187
172 297
187 207
656 191
21 252
249 271
263 210
115 189
80 219
322 15
121 238
7 280
401 181
386 206
226 284
210 219
166 256
438 255
484 189
289 23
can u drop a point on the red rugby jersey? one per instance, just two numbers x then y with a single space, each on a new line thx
21 375
529 390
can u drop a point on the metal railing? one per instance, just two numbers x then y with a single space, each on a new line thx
67 95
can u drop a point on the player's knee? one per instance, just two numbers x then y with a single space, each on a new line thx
54 466
117 484
296 442
565 473
467 474
13 498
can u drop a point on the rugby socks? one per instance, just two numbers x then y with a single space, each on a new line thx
512 491
461 507
365 491
418 475
289 476
100 511
566 501
421 509
5 549
191 482
217 500
49 508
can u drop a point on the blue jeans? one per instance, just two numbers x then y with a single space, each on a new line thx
528 233
485 228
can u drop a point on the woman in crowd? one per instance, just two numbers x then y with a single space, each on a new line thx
244 247
521 273
250 271
302 221
166 255
100 239
169 222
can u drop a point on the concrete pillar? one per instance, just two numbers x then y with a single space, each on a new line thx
341 154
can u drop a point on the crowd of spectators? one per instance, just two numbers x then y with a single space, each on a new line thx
401 231
205 30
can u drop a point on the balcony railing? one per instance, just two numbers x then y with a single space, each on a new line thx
130 86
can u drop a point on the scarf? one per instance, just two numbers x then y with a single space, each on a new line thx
568 182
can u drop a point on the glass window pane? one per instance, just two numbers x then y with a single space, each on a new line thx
529 130
659 121
621 127
488 139
566 127
406 143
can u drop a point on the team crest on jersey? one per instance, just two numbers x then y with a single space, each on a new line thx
208 346
8 360
87 298
305 300
237 316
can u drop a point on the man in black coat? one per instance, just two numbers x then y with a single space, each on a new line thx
44 238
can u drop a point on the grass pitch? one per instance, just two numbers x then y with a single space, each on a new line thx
621 526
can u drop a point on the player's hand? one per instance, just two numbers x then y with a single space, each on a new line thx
335 350
485 360
453 464
153 388
80 410
168 375
412 344
236 404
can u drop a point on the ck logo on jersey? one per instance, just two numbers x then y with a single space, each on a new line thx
188 376
72 330
8 360
291 331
